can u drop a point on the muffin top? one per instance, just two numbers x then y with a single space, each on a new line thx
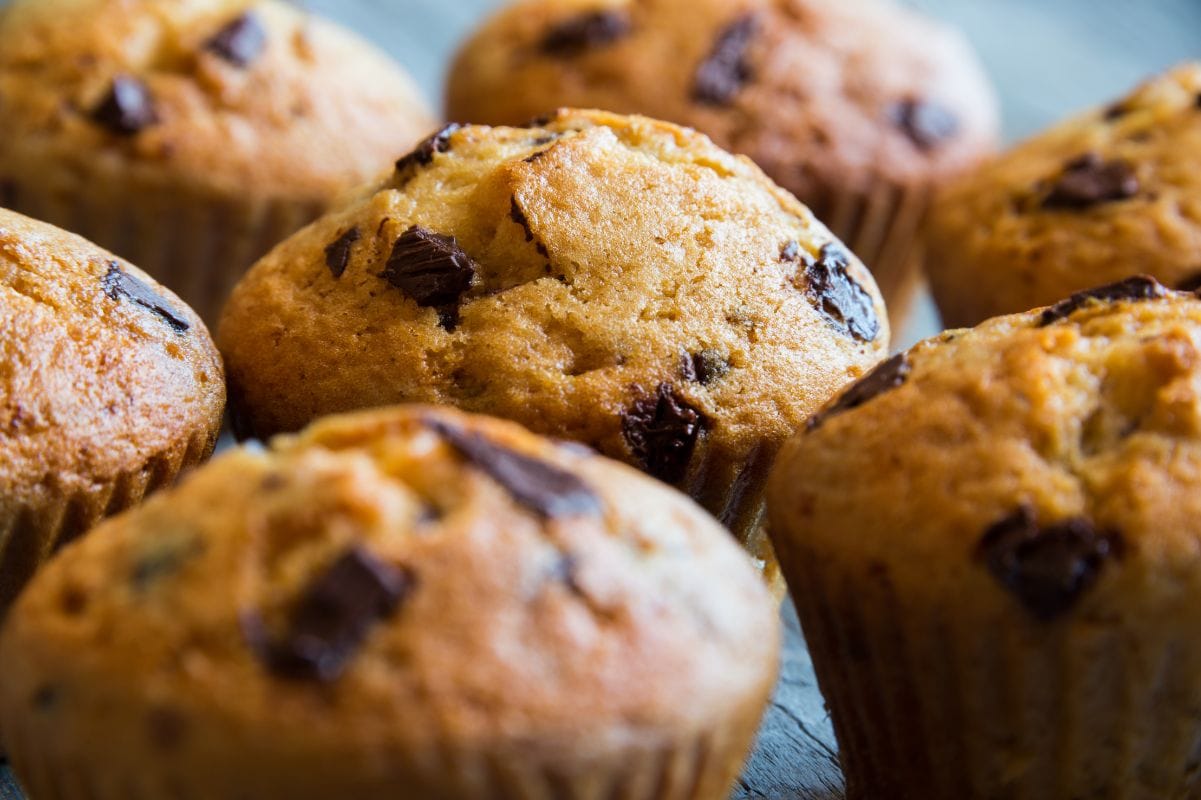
100 367
825 96
1093 200
244 96
1048 462
616 281
384 591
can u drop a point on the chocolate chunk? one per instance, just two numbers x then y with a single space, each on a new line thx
1116 111
723 73
333 617
517 214
791 251
240 42
926 124
1047 569
662 431
118 283
337 254
539 486
127 108
1190 284
888 375
841 300
1088 181
577 34
423 154
429 267
1139 287
706 367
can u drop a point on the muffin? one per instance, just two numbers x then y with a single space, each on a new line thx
109 386
408 603
615 281
857 107
995 543
191 137
1093 200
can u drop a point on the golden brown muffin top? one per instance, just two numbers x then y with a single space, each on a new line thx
100 367
1094 199
383 591
612 280
234 95
825 96
1047 461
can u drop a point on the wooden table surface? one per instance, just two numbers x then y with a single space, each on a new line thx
1047 57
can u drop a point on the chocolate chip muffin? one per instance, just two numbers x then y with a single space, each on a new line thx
191 137
409 603
1091 201
611 280
858 107
998 542
109 386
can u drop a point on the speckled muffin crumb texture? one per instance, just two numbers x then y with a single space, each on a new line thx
493 611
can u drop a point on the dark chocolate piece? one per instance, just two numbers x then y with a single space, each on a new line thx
517 214
117 283
662 430
1047 569
127 108
423 154
706 367
837 295
337 254
887 375
584 32
333 617
927 124
1139 287
791 251
723 73
1116 111
541 487
429 267
1088 181
240 42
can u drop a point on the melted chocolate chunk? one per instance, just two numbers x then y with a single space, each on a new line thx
240 42
886 376
541 487
791 251
662 431
333 617
1088 181
337 254
706 367
926 124
1047 569
429 267
127 108
117 284
838 297
517 214
577 34
1139 287
723 73
423 154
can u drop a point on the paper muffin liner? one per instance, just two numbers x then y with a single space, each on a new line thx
702 767
198 245
883 228
30 534
936 705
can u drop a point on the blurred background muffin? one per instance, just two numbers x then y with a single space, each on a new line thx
859 108
191 137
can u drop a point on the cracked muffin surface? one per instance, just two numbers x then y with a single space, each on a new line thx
400 603
1099 197
1007 516
612 280
109 385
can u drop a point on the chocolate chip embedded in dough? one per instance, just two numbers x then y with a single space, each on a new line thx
662 430
1139 287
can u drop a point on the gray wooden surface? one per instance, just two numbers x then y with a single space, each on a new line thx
1048 57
